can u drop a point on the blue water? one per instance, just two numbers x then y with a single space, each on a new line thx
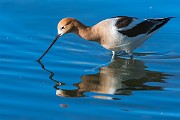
77 80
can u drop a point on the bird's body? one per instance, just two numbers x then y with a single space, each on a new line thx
120 33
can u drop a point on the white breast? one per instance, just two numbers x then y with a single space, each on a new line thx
111 36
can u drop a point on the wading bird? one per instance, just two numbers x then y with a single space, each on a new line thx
121 33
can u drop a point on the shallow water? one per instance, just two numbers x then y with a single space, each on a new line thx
77 79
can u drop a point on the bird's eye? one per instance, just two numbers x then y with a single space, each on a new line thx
62 27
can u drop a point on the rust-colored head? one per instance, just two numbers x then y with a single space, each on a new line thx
65 26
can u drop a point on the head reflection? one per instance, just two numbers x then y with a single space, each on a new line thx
120 77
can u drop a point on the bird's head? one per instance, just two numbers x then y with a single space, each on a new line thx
65 26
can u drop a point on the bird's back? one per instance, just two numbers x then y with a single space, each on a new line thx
127 33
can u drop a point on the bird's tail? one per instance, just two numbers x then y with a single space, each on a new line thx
160 23
170 17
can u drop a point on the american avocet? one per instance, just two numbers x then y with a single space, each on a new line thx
119 33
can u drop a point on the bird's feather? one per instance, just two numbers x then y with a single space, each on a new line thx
145 27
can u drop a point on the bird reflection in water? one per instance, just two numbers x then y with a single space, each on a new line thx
121 77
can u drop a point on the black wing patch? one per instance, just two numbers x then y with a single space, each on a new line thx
123 21
146 27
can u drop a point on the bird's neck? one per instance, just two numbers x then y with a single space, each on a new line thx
85 32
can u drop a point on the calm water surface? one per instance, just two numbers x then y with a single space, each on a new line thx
77 80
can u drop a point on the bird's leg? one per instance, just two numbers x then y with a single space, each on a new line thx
113 53
131 56
113 56
117 53
130 52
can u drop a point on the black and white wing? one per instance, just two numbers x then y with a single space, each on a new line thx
133 27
